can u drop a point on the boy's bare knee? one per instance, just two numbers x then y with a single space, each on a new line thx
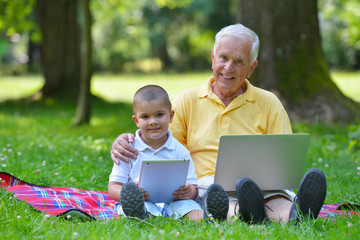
195 215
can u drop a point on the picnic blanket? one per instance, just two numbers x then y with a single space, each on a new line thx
61 201
97 205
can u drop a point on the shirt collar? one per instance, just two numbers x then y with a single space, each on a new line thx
206 91
140 145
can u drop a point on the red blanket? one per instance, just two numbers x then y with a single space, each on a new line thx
60 201
96 205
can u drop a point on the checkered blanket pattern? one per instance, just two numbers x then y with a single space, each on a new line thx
343 209
57 201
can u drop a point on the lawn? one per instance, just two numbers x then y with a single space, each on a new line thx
39 145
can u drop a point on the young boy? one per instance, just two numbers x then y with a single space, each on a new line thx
153 114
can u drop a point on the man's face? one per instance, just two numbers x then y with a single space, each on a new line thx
231 64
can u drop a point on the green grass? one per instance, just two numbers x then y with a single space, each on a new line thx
39 145
348 83
115 88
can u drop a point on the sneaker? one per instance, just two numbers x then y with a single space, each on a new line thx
132 201
251 201
216 203
310 196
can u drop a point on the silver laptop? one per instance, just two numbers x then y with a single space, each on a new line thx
272 161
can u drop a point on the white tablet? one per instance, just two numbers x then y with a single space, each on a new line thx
161 178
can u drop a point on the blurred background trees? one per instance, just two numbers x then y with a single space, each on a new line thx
291 60
159 35
152 35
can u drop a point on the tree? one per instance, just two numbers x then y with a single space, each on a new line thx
340 27
60 47
84 101
291 61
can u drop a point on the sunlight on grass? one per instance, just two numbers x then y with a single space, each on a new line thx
348 83
123 87
115 88
12 87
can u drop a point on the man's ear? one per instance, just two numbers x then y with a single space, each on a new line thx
135 120
252 68
212 58
172 113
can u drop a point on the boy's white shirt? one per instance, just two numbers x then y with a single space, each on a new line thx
172 149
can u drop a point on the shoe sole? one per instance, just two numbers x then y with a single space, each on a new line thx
217 202
132 200
312 193
251 201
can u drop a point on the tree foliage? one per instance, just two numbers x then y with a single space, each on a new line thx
291 61
178 31
340 28
17 16
128 31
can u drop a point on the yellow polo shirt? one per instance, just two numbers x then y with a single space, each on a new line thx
201 118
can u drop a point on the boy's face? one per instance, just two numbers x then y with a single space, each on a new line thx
153 118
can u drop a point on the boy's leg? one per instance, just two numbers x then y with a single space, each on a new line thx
195 215
132 201
180 208
216 203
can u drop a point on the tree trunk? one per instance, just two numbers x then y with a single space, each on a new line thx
163 54
60 55
84 101
291 61
33 53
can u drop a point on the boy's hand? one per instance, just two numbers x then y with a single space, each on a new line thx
186 192
145 194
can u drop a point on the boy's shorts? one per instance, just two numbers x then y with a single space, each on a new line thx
175 209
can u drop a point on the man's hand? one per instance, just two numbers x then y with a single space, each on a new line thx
122 150
186 192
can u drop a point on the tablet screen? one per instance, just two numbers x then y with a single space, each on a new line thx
161 178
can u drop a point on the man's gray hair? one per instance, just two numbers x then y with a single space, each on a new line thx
242 32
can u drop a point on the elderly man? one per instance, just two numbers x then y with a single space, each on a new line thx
228 104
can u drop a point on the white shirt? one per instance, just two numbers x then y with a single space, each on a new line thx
172 149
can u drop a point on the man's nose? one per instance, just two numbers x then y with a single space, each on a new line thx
229 66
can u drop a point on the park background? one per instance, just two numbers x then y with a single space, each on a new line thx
69 69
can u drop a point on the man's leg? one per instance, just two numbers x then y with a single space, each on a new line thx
251 201
277 208
310 196
308 202
233 213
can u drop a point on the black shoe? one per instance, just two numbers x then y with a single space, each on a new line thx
132 201
216 203
251 201
310 196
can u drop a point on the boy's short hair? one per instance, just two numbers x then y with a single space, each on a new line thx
151 92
